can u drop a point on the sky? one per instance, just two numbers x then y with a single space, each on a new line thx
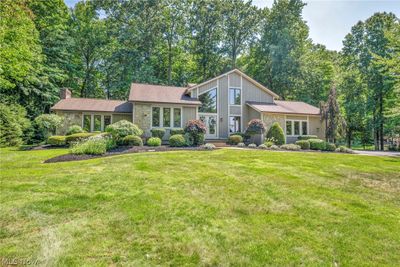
330 20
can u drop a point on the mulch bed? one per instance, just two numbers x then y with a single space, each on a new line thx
119 151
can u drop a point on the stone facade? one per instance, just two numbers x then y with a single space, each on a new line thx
70 118
142 117
269 119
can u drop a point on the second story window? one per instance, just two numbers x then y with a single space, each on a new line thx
234 96
208 101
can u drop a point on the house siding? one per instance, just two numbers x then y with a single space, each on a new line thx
189 113
317 127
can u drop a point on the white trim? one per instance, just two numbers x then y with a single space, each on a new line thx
218 108
300 127
241 102
102 128
240 116
229 107
161 117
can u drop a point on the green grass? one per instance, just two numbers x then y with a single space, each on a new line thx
222 207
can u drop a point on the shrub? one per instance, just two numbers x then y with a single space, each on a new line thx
235 139
177 131
241 145
274 147
255 126
177 140
132 140
56 140
122 128
290 147
276 132
194 132
95 145
78 137
304 144
262 146
269 141
343 149
330 147
307 137
154 141
75 129
13 124
158 132
47 124
209 146
317 144
252 145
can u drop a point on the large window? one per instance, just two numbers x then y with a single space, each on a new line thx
234 96
208 101
156 117
95 122
234 124
166 117
177 117
296 127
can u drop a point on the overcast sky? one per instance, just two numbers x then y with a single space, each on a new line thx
330 20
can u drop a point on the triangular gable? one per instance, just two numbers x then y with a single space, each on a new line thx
259 85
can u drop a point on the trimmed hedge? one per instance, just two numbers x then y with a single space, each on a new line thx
75 129
177 140
177 131
317 144
154 141
78 137
307 137
132 140
330 147
290 147
235 139
304 144
158 132
122 128
56 140
276 132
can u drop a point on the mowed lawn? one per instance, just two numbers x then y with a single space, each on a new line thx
222 207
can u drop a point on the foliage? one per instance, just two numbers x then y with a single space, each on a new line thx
307 137
48 123
330 147
90 147
304 144
252 145
132 140
177 131
241 145
268 143
177 140
317 144
263 146
274 147
343 149
234 139
276 132
158 132
194 132
73 129
73 138
333 119
56 140
290 147
255 126
154 141
209 146
122 128
13 124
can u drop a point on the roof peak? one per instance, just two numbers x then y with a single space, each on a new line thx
161 85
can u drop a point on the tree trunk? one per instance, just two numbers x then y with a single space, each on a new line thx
349 134
381 121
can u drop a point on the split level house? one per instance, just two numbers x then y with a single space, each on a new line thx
225 104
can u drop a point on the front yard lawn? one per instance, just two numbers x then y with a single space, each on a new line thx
222 207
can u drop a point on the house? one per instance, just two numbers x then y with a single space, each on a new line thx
225 104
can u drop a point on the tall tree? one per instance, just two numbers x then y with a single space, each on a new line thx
241 20
331 114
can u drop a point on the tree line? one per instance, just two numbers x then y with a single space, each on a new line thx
98 47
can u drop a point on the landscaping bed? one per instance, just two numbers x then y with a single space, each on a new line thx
118 151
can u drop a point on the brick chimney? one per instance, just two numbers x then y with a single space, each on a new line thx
65 93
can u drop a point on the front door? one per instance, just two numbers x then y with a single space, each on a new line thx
211 124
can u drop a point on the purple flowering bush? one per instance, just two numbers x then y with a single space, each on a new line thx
194 132
255 126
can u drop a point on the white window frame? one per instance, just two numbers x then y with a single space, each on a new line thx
240 124
92 120
161 107
216 104
300 126
229 96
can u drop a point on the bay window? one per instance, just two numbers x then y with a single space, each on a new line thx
95 122
167 117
